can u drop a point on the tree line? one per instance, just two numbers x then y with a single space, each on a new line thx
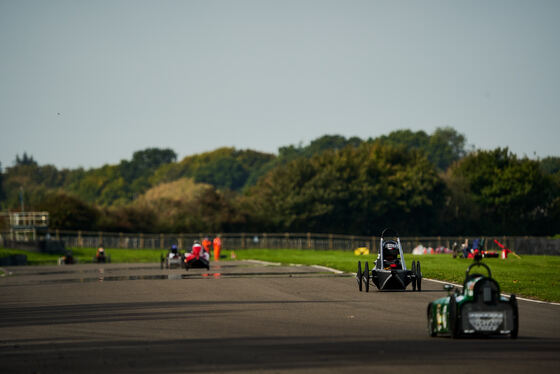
418 183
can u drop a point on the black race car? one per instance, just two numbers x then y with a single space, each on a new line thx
389 271
101 256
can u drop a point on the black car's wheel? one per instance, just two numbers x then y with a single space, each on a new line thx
515 331
418 276
453 319
413 275
359 276
431 328
366 276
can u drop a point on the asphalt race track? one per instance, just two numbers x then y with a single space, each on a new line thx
242 317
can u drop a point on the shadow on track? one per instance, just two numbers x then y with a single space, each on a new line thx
279 353
116 312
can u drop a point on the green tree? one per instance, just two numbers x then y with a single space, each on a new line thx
290 153
223 168
25 160
145 162
68 212
128 219
223 173
509 195
27 176
445 147
359 190
92 183
442 148
317 146
550 165
211 211
407 138
119 184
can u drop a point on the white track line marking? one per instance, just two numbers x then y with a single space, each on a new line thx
267 263
518 298
336 271
264 262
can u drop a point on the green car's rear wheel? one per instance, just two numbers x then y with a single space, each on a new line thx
515 331
453 321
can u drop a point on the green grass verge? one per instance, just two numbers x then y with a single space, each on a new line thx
536 277
85 255
532 276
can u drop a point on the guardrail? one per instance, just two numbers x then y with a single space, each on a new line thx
521 245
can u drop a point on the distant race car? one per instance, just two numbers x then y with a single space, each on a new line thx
197 258
173 259
101 256
67 259
390 272
479 309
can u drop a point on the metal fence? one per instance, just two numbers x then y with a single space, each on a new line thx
521 245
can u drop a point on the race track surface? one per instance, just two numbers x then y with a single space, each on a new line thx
242 317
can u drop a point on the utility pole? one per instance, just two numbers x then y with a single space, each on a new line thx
21 199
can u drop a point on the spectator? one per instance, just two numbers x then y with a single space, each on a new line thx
217 247
206 244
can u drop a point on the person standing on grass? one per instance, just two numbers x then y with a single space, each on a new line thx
217 247
206 244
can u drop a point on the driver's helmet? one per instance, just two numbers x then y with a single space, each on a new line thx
197 247
174 248
390 250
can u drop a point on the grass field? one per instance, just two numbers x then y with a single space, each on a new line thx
85 255
536 277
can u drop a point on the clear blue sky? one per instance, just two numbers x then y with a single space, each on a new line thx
85 83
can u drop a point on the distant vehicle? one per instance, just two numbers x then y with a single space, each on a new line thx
67 259
479 309
173 259
389 271
101 256
197 258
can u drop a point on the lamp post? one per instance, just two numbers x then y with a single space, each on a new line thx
21 199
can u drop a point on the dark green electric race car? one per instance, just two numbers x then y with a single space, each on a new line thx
477 310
